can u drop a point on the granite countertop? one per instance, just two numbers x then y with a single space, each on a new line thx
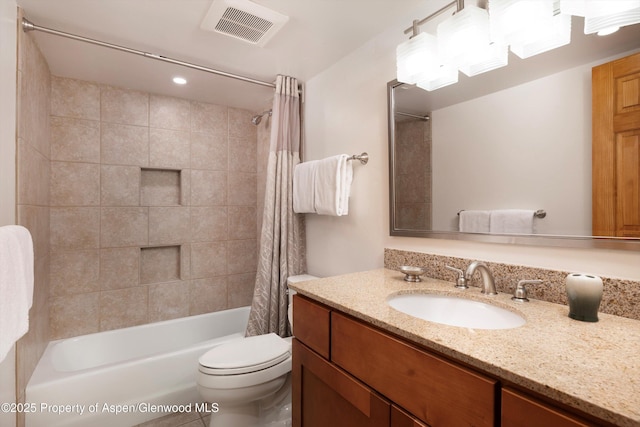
593 367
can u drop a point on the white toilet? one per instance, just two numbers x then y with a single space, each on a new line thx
250 379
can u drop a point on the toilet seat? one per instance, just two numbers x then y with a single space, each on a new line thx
246 355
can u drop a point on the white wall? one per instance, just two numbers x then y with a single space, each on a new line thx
346 112
8 16
493 152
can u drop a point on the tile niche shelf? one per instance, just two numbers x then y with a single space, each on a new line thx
161 187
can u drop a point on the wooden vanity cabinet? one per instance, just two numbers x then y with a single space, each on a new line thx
521 410
373 379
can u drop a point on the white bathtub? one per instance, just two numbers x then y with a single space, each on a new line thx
124 377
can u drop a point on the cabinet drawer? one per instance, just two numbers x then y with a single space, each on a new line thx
519 410
438 392
311 324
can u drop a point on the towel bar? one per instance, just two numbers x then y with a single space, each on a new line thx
540 213
364 158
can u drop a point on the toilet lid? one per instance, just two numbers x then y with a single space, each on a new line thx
246 355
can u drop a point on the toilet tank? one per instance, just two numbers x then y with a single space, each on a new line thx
295 279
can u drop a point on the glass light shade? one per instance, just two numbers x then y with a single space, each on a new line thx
445 76
463 40
603 14
417 58
558 34
519 21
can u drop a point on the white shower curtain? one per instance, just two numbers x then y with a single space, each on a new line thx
282 241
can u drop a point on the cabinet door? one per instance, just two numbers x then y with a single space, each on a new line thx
326 396
400 418
519 410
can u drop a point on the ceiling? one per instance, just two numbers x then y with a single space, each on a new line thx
318 34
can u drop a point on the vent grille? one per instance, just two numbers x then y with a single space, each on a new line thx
243 20
243 25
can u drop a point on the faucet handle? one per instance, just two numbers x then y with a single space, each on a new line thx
520 294
461 282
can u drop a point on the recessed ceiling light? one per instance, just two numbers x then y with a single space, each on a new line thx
180 80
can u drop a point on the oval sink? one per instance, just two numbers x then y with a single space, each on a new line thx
455 311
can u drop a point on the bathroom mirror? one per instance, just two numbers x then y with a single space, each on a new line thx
518 137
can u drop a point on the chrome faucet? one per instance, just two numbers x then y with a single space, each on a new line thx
488 285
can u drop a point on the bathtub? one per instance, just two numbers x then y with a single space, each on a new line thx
126 376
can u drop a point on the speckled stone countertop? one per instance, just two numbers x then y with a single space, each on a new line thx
593 367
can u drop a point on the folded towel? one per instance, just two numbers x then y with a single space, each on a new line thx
511 221
16 284
304 178
474 221
333 185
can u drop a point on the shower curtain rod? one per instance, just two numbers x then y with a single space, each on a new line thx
30 26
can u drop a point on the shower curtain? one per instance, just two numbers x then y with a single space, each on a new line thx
282 241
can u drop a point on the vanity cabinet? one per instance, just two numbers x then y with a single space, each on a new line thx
349 373
346 373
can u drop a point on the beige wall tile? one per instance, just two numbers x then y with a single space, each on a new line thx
169 225
208 295
168 149
240 125
242 256
119 268
208 223
75 184
242 154
208 188
75 140
168 301
124 145
75 228
37 220
160 264
74 315
242 222
160 187
33 171
74 272
169 113
185 261
120 185
125 226
208 259
124 106
240 288
75 98
124 307
242 188
209 118
209 151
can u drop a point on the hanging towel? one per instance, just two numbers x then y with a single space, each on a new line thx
16 284
304 178
474 221
511 221
333 185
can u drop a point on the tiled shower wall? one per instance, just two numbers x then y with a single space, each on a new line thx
153 207
32 198
413 181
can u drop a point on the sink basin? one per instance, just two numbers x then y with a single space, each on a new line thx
455 311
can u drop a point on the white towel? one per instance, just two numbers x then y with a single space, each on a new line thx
16 285
333 185
304 178
474 221
511 221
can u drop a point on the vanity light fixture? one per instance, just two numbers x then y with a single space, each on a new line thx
530 27
463 40
179 80
417 59
603 16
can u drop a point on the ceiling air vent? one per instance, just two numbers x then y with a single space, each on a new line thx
243 20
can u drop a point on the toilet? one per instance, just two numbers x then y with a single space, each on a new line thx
249 379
